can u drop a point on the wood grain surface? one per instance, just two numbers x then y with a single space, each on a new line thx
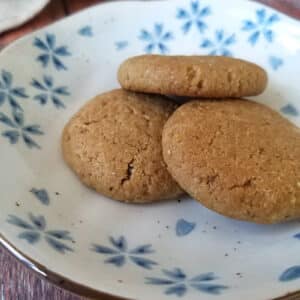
16 281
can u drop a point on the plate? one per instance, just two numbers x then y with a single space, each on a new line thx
93 245
16 12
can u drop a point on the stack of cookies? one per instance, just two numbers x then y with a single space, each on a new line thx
236 157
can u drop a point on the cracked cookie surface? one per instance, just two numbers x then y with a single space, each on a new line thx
237 157
192 76
113 144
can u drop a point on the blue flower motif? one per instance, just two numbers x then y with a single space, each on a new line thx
156 40
290 110
120 45
86 31
41 195
219 46
290 274
193 17
51 53
184 227
119 253
18 129
275 62
177 283
35 229
49 91
261 26
10 93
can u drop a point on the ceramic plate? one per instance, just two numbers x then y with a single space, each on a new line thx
16 12
162 251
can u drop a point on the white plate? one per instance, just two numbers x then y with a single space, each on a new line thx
162 251
16 12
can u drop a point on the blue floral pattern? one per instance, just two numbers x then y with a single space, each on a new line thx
120 45
193 16
9 92
220 44
47 91
35 229
176 282
41 195
290 274
290 109
184 227
50 52
261 27
18 130
275 62
119 253
86 31
156 40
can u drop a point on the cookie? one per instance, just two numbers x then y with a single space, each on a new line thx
237 157
192 76
113 144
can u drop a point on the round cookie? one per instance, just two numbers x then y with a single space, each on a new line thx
114 146
237 157
192 76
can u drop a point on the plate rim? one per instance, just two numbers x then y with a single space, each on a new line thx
39 269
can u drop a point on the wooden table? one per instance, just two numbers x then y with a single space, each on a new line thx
16 281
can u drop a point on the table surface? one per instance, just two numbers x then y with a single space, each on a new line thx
16 281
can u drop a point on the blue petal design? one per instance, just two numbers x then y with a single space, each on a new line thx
86 31
144 249
19 92
48 81
273 19
204 12
121 45
42 98
269 35
58 64
2 97
18 118
176 274
261 15
214 289
35 83
290 274
206 44
254 37
14 104
182 14
32 237
103 250
6 120
184 227
143 262
275 62
201 26
187 26
167 37
58 104
163 49
149 48
230 40
159 281
194 7
290 109
50 38
145 35
60 234
40 44
14 220
219 35
29 141
297 236
158 28
44 59
12 135
41 195
33 129
248 25
119 243
38 221
62 51
204 277
225 52
118 261
58 246
62 90
7 78
178 290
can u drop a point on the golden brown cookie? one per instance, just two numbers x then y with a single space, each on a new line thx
237 157
192 76
114 146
